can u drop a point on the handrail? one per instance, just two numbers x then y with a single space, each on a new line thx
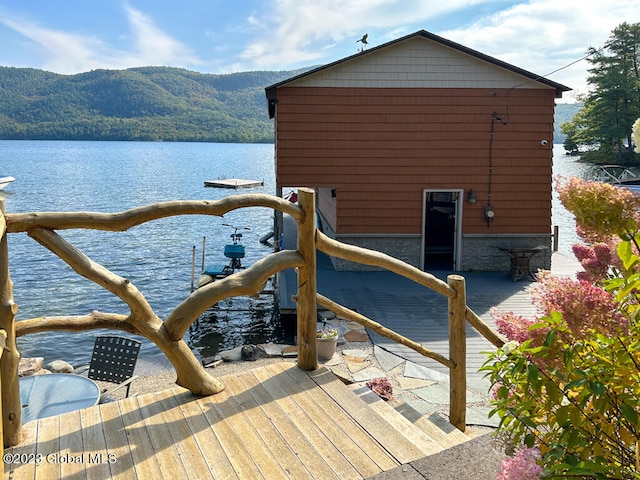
122 221
245 282
378 259
168 334
382 330
485 330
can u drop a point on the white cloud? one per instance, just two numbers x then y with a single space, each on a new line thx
303 30
536 35
71 53
155 47
545 35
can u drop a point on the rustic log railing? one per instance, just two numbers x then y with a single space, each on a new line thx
3 342
168 334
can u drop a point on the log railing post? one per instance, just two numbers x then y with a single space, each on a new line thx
458 353
3 342
306 307
9 387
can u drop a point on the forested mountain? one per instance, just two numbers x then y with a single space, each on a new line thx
147 103
564 113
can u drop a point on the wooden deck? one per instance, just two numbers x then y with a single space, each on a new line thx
272 422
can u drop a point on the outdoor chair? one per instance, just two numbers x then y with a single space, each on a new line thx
113 360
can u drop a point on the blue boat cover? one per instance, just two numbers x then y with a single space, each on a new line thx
214 270
234 251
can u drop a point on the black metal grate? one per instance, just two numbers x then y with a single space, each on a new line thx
113 359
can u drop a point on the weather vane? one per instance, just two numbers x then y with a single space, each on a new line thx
364 41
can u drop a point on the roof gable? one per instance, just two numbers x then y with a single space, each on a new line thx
419 60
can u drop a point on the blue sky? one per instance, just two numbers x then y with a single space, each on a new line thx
222 36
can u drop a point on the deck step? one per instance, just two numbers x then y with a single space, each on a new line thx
434 426
425 442
404 449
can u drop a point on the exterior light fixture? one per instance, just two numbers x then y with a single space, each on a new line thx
471 197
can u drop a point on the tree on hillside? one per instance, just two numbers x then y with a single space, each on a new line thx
604 125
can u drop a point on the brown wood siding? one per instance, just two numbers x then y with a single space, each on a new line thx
382 147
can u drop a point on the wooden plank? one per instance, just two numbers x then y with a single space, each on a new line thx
72 457
313 460
361 450
144 460
25 450
116 441
206 438
232 444
264 425
253 443
396 444
314 433
440 429
152 407
48 444
95 444
162 443
172 419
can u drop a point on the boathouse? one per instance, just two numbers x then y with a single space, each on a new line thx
424 149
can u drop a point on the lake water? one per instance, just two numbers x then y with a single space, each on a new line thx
156 257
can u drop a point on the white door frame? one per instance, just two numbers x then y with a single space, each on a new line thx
457 237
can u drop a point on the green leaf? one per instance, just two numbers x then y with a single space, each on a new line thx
551 336
555 394
575 415
528 422
533 376
529 440
629 413
629 259
598 388
575 384
562 416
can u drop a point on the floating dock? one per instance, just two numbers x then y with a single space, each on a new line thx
233 183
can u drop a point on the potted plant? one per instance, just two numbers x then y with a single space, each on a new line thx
327 342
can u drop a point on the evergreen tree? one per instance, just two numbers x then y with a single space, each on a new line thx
604 124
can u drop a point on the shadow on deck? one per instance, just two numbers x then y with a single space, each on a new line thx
272 422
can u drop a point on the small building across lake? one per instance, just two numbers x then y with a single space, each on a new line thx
423 149
233 183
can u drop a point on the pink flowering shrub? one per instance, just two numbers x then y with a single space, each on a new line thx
514 327
601 209
596 261
522 466
567 385
585 307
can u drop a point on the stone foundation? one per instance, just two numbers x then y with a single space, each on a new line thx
480 252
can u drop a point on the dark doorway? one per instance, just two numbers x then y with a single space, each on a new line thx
440 230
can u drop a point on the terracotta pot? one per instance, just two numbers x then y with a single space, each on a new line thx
327 347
